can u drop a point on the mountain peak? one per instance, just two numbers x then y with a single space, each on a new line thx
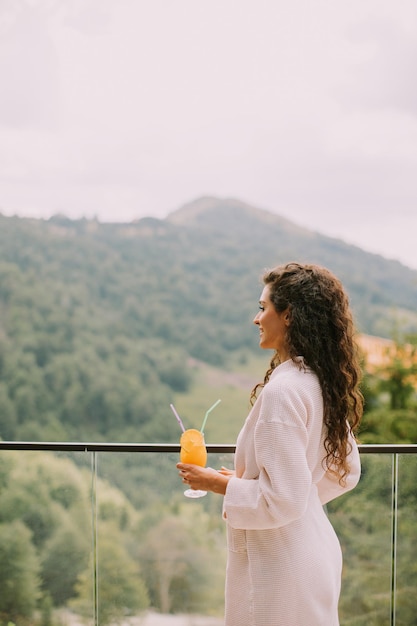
216 211
194 210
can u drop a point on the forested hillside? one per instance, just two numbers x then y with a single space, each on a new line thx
97 321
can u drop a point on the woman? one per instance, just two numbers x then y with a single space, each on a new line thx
295 452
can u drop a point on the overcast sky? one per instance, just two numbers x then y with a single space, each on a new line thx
123 109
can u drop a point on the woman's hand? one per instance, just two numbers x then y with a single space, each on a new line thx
226 471
205 478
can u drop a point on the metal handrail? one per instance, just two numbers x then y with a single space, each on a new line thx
215 448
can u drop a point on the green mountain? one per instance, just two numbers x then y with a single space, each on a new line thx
98 321
383 292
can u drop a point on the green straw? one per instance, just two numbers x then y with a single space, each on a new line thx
207 414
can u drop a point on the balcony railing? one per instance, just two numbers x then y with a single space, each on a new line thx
155 548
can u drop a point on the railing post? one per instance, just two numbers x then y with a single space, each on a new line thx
394 528
94 536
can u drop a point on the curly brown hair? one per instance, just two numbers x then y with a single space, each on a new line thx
321 330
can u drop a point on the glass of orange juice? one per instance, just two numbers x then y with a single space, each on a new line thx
193 451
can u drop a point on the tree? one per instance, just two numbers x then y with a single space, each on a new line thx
167 556
70 547
399 375
120 588
7 414
19 572
177 553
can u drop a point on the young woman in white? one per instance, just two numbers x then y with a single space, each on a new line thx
295 452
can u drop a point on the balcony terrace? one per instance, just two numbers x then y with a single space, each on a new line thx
376 524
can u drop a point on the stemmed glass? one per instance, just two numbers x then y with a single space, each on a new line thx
193 448
193 451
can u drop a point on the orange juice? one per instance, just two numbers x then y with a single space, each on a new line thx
193 448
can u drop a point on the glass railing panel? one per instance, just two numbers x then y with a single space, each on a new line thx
157 550
406 536
46 545
102 536
363 522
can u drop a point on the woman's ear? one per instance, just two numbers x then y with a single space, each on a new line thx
287 317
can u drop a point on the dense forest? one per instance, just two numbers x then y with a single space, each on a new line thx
102 326
94 318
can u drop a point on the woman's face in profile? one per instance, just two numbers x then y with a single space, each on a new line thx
272 325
